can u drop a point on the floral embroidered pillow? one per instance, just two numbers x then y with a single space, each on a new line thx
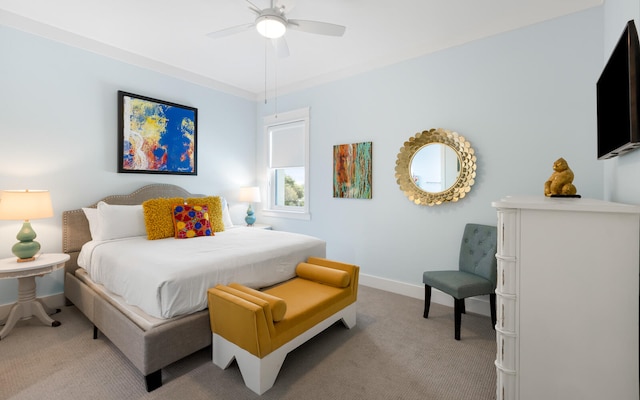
215 210
191 221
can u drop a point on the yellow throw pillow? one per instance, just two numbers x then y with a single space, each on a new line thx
158 217
215 210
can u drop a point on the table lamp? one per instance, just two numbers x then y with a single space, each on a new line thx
250 195
25 205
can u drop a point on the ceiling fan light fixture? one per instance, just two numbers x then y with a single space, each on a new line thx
271 26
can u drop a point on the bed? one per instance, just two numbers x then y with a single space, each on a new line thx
157 323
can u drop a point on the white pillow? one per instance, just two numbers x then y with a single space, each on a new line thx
118 221
92 217
226 216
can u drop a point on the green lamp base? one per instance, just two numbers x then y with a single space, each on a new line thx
26 248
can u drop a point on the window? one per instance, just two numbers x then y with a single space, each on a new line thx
287 139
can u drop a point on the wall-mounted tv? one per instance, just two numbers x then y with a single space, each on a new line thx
617 95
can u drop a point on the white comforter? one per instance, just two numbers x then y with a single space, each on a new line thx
170 277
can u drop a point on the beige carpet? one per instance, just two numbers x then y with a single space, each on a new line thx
392 353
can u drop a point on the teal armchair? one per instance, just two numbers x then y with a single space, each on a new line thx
475 276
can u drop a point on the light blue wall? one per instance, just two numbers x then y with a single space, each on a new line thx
523 99
58 130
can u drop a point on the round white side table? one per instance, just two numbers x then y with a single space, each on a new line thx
260 226
28 305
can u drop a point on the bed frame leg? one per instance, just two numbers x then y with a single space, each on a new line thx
153 380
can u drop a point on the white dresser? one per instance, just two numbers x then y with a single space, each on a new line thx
567 299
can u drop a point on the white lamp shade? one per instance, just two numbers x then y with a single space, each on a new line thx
249 194
25 204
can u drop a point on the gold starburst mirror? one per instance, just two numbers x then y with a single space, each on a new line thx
436 166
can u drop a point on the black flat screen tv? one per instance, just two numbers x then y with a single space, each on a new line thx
617 96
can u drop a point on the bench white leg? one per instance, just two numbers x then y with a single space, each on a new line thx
349 318
223 351
258 374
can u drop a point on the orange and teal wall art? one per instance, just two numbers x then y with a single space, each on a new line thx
156 136
352 170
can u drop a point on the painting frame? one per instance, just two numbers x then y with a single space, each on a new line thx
353 170
156 136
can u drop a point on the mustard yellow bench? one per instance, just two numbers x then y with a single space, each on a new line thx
259 328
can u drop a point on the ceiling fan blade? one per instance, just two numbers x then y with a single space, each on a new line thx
253 7
280 44
320 28
230 31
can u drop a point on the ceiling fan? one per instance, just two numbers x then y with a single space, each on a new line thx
272 23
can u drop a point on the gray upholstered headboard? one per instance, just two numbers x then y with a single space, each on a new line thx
75 227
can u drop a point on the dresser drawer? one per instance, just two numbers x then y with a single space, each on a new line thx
505 383
506 279
506 349
507 221
506 312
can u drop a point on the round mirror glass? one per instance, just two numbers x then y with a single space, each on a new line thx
436 166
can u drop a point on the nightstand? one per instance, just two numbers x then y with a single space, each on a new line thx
28 305
261 226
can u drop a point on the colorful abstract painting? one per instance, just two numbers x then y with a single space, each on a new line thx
156 136
352 170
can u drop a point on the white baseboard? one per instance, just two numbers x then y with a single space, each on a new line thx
477 305
53 301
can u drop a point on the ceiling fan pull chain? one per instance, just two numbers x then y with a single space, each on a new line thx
275 89
265 72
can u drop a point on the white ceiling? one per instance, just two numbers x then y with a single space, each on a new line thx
170 36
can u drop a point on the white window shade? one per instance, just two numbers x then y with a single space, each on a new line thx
287 145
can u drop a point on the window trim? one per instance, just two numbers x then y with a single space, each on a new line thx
270 210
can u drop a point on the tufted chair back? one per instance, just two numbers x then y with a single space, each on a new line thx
478 251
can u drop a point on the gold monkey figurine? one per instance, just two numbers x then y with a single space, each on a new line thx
561 181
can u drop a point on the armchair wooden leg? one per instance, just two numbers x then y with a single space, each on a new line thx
427 300
463 307
492 301
458 306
